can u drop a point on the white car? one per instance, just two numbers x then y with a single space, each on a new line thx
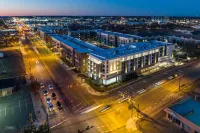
50 87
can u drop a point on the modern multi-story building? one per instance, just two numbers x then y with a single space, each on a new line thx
130 57
115 39
122 63
185 114
83 34
44 31
72 49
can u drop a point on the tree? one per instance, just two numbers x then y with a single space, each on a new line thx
41 129
35 86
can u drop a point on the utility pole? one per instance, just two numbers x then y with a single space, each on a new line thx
132 103
179 84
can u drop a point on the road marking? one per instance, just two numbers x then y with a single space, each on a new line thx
80 108
5 109
77 105
56 73
141 91
12 108
59 123
26 103
19 106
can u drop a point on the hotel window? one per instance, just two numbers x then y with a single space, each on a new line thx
153 58
146 60
139 62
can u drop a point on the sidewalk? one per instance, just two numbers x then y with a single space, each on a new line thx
131 125
39 111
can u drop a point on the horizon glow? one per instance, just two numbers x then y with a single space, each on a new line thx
99 8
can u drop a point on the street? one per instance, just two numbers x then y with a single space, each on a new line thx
81 109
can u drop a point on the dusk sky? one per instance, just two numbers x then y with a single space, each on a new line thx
100 7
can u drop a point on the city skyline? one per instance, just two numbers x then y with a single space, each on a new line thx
99 8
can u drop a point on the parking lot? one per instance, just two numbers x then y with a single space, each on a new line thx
14 111
11 64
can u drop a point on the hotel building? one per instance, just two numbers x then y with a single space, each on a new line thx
73 50
125 62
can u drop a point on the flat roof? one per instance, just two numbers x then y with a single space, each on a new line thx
127 49
52 27
80 47
189 109
82 43
119 34
7 83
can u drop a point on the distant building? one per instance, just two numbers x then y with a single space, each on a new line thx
83 34
185 114
115 39
9 37
125 62
43 31
10 85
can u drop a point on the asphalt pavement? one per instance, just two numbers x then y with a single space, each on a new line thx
144 93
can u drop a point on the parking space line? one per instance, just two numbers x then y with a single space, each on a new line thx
26 103
19 106
12 108
5 109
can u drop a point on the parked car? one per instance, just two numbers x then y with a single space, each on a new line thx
48 99
53 95
59 105
50 106
45 92
37 62
50 87
41 85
